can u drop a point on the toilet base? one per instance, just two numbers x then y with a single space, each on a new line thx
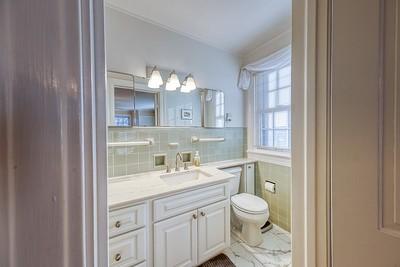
248 235
251 233
249 219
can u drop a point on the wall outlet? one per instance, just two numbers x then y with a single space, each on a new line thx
160 160
187 156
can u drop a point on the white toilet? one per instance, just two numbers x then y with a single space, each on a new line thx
250 211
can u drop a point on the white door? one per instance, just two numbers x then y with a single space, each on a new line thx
365 133
175 241
214 229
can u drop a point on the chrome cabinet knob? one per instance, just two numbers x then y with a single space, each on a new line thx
202 213
118 257
118 224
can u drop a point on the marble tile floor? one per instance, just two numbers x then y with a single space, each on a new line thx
274 251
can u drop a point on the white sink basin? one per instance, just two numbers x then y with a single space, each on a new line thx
184 176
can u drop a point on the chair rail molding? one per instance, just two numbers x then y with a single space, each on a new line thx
273 157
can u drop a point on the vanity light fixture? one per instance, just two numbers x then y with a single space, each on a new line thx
174 79
170 86
188 84
172 82
155 80
184 88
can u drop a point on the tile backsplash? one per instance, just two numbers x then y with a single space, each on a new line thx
130 160
279 202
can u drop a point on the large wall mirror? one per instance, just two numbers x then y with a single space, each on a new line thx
213 111
131 103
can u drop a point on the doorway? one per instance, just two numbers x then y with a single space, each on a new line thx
303 222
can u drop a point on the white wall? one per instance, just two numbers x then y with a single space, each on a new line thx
273 45
131 44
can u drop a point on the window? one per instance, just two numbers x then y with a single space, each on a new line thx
273 118
122 120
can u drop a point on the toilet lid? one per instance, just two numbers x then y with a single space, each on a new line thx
249 203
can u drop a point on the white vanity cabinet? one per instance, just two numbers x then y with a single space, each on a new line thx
128 236
128 249
183 228
193 237
213 230
175 241
127 219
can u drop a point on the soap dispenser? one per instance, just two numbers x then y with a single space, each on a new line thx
196 159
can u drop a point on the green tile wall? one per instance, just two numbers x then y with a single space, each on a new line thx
130 160
280 202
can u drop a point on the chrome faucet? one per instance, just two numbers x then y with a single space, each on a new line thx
177 159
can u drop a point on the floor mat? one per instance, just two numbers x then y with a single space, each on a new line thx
220 260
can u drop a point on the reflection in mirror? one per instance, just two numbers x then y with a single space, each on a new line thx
181 109
132 103
172 108
124 106
120 99
213 108
146 103
145 108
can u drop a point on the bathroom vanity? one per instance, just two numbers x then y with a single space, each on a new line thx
159 219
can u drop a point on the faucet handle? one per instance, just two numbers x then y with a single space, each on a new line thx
168 169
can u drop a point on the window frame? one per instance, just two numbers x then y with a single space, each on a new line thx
260 110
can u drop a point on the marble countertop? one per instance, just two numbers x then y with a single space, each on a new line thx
125 190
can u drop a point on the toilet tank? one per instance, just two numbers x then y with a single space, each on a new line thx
235 181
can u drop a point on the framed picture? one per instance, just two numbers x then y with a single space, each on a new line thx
186 114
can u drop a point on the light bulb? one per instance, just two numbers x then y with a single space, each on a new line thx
174 79
155 80
184 88
170 86
190 83
172 82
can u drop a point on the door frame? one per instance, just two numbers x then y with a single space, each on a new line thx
310 134
311 197
94 136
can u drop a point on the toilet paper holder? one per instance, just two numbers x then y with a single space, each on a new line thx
270 186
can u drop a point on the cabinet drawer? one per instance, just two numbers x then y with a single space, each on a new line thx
128 249
127 219
180 203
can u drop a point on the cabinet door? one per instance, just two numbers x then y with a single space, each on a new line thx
175 241
214 229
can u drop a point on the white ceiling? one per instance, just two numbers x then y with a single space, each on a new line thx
236 26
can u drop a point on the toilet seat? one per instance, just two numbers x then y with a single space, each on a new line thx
249 203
